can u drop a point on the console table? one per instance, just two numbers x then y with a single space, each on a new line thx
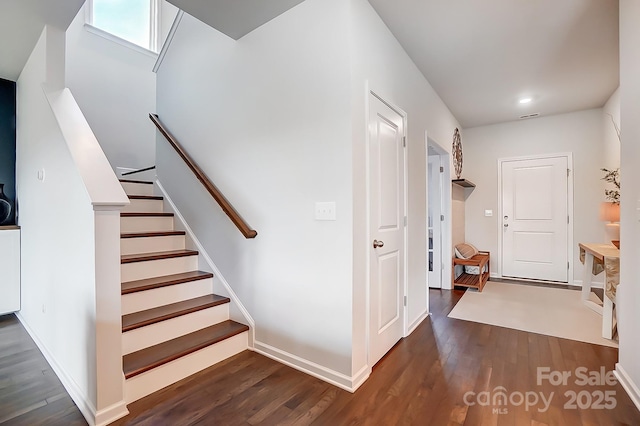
609 256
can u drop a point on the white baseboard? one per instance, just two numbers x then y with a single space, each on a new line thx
627 383
424 315
111 414
81 400
574 283
214 269
360 377
333 377
594 284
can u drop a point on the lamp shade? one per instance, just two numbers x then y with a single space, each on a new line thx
610 212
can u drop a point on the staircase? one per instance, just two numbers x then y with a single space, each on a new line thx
172 324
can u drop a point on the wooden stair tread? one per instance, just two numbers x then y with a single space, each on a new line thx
154 356
143 257
173 310
164 281
145 214
146 182
152 234
146 197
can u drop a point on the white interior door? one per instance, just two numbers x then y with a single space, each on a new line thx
386 186
434 228
535 219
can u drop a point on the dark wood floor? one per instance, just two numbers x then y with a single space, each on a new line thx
30 392
422 381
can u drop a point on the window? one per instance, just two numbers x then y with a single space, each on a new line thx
135 21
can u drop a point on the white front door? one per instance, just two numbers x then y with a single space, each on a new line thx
534 219
435 223
386 183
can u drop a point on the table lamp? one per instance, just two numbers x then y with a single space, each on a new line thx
610 212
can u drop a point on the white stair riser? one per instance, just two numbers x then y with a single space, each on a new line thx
145 206
148 299
151 244
146 224
153 334
153 380
155 268
137 188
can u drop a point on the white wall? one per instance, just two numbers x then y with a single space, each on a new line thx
267 118
378 58
628 295
277 120
168 14
611 110
580 133
115 87
56 216
69 199
610 141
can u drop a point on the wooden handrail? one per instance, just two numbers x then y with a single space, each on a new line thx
202 177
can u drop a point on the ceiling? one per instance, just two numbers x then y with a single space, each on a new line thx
22 22
481 57
235 18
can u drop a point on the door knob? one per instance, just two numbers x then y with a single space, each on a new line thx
506 225
377 243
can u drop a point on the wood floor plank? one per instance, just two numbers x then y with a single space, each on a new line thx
30 393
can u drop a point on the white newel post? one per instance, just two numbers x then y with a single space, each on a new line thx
110 404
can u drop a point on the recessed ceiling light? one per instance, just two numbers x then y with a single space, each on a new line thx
525 100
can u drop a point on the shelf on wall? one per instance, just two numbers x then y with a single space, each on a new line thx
464 183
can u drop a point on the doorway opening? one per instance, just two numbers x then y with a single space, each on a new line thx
438 216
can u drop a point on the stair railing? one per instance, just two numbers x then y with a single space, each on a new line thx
226 206
146 169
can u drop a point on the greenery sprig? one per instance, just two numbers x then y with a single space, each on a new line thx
612 176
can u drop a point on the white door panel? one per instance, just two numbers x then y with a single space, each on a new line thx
388 295
386 177
535 219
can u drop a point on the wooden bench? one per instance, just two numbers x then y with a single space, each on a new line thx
470 280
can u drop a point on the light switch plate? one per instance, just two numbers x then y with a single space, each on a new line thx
488 213
326 210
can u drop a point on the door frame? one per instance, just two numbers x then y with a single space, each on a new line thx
570 201
369 93
445 209
434 193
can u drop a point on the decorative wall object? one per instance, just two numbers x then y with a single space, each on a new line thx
5 207
457 153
